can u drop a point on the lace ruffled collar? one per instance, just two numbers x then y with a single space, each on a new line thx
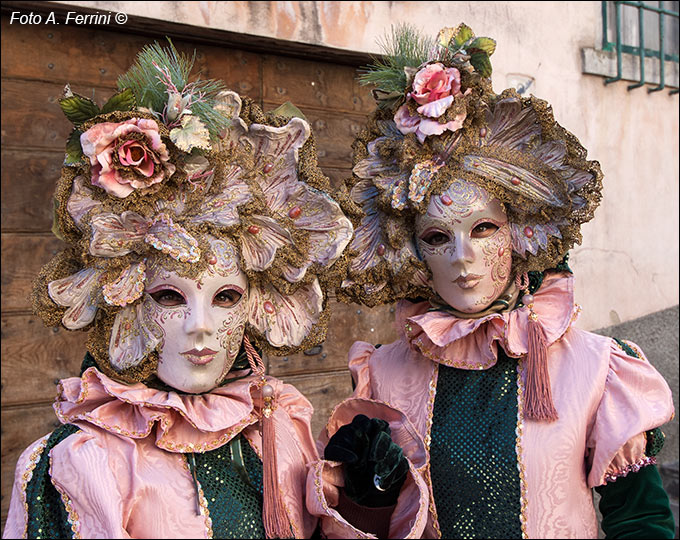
179 422
471 343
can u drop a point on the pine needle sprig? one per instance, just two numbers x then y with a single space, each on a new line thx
154 68
403 47
159 71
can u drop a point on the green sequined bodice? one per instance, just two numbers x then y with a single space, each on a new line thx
473 460
233 494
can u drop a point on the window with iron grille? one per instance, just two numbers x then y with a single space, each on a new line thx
636 36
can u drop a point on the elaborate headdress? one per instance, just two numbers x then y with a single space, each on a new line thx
437 121
161 175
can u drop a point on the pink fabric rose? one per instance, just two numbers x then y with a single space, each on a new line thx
126 156
424 127
435 82
434 89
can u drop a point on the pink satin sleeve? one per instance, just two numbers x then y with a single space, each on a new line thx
293 471
118 487
15 527
80 472
325 477
636 399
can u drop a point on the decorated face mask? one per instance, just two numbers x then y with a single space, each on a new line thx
202 321
464 238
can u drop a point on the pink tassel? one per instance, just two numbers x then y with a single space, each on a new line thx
538 403
275 520
276 524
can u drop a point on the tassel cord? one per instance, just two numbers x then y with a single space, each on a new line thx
274 517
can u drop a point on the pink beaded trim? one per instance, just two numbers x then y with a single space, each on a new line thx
633 467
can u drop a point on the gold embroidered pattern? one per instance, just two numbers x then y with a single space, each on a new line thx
28 474
432 391
520 463
73 517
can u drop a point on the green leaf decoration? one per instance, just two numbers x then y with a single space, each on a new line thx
485 44
463 33
78 109
192 134
480 61
74 151
445 36
120 101
288 110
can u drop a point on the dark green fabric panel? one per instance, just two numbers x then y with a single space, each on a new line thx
473 459
636 506
235 506
47 516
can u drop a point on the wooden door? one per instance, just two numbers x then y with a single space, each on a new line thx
37 61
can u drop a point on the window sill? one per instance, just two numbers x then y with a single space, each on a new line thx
598 62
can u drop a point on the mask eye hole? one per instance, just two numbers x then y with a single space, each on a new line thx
168 297
227 297
484 230
435 237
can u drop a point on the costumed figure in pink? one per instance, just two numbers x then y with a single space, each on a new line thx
198 231
491 416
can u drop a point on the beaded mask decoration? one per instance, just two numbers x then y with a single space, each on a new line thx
173 173
438 121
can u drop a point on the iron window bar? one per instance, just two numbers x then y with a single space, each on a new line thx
640 51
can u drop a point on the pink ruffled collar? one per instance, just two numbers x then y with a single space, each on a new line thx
182 422
470 343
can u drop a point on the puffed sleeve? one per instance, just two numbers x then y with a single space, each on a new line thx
636 399
325 478
17 517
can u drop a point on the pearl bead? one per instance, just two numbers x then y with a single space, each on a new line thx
527 299
501 251
269 307
267 391
482 132
381 249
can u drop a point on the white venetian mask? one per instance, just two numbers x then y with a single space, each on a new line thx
464 238
202 320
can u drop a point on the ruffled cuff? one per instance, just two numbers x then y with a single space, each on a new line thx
636 399
326 477
631 458
324 481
